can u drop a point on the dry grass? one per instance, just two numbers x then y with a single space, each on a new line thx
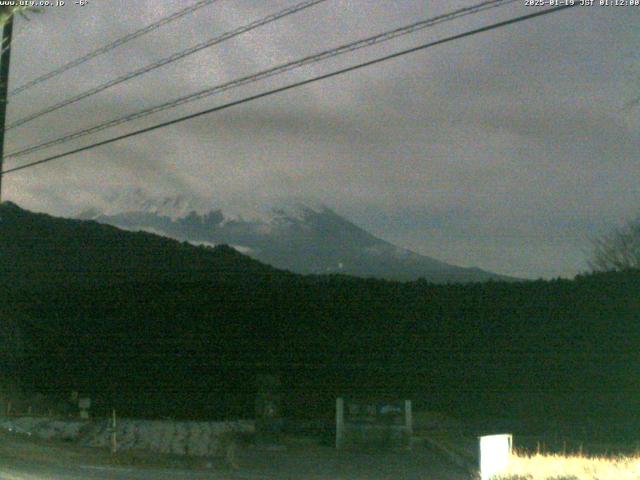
572 467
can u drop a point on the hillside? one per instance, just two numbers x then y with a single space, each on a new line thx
104 311
39 249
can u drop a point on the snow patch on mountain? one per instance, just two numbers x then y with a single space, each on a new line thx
176 207
142 228
200 243
243 249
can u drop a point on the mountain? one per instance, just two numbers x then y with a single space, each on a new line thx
297 237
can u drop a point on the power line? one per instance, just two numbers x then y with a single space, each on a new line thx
165 61
268 73
294 85
120 41
333 52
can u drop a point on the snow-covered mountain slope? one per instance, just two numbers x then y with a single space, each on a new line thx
299 237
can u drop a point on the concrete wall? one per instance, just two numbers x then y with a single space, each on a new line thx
183 438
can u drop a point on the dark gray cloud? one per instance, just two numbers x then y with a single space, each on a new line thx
506 150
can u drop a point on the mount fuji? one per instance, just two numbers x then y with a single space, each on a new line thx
300 237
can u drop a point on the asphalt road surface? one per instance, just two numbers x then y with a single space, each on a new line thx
312 463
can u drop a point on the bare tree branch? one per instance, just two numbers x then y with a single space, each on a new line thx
619 250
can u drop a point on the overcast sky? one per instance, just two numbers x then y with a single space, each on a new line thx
507 150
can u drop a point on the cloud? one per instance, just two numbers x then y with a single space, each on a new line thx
506 150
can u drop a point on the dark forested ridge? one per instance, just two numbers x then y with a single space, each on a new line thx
37 249
160 328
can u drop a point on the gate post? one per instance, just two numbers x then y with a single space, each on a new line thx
408 423
339 423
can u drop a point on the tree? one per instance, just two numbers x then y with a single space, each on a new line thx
618 250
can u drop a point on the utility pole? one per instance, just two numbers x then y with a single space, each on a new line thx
7 32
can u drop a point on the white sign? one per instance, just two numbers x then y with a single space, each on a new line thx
495 451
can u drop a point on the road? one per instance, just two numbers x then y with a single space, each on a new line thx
308 463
